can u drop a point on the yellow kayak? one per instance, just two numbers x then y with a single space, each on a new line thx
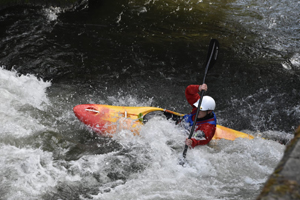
107 120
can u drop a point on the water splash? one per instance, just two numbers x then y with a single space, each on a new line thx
225 169
52 13
295 60
20 96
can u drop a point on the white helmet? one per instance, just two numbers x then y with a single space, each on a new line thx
208 103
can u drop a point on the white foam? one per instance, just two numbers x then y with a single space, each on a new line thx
23 89
28 172
295 60
226 168
52 12
18 94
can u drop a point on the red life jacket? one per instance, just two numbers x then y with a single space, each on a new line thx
207 126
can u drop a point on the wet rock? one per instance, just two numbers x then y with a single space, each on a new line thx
284 183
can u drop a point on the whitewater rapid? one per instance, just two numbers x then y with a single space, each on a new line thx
46 152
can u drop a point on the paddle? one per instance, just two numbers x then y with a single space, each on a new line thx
210 61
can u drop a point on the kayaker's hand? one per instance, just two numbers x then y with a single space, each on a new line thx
203 87
189 142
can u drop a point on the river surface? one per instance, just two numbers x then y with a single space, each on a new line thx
145 53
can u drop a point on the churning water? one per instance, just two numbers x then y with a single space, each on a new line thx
43 155
144 53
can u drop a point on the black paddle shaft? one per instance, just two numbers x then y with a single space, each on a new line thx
211 59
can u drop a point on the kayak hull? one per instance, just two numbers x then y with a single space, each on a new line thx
107 120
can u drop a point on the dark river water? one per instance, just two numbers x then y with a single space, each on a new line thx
144 53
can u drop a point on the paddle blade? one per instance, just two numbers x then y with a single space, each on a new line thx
213 53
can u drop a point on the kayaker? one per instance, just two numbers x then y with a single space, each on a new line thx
206 120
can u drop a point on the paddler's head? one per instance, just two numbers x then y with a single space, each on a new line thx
208 105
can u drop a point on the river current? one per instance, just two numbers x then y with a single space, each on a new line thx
144 53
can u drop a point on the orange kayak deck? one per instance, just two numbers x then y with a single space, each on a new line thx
107 120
